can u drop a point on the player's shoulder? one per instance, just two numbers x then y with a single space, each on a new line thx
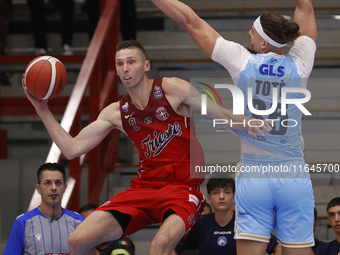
172 81
303 43
114 105
173 85
109 110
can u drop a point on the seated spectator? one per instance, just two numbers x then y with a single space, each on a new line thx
333 211
207 209
214 233
85 210
317 242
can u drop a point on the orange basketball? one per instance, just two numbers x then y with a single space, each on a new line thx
45 77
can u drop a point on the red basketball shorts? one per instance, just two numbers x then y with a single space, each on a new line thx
148 205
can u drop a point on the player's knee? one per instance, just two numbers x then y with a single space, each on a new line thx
160 243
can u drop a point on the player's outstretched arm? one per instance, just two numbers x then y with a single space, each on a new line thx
204 35
305 17
214 111
181 93
87 139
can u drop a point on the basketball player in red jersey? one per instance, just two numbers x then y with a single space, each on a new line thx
155 115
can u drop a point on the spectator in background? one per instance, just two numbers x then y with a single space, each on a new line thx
214 233
5 16
125 245
38 10
38 231
207 209
92 8
85 210
5 13
333 211
317 242
128 17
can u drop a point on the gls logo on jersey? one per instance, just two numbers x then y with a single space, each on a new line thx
269 70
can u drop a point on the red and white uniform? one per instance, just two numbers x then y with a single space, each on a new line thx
163 139
168 150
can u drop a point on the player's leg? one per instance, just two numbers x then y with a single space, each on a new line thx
254 213
296 251
98 227
245 247
178 208
295 216
168 236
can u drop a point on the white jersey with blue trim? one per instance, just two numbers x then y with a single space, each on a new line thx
263 73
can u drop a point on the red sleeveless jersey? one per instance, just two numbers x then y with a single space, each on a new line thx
164 140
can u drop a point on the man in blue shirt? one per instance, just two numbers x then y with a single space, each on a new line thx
45 229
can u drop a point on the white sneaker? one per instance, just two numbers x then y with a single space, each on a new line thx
67 50
40 51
